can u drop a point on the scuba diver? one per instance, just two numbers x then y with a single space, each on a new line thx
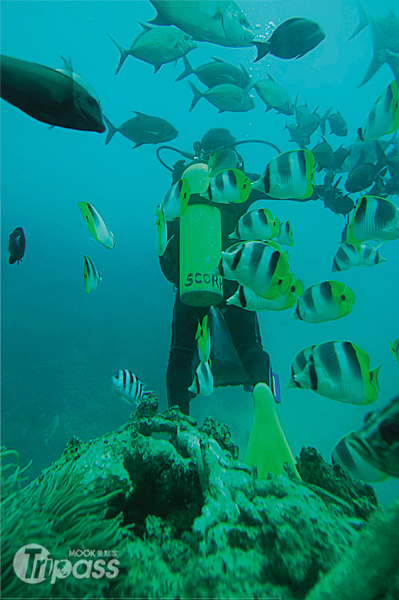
242 324
191 259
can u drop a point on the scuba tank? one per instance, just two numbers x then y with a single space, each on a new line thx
200 252
201 283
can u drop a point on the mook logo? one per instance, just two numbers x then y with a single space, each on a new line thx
33 564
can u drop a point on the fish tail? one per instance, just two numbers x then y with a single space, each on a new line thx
374 376
197 95
124 54
111 130
363 20
188 70
378 60
263 49
324 119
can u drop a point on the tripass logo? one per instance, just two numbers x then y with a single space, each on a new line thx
33 564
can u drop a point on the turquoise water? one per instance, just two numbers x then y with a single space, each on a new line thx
61 346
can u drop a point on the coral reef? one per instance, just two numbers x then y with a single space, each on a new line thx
183 517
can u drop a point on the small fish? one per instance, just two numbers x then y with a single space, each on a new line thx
203 338
231 185
274 96
203 380
323 154
394 348
49 96
143 129
217 72
129 387
161 240
90 274
374 219
339 157
16 245
326 301
261 266
292 39
176 200
220 160
96 225
226 97
249 300
285 236
349 256
383 118
372 453
256 225
337 124
288 175
337 370
54 427
157 46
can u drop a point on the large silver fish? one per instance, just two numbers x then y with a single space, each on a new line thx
49 95
385 35
156 46
217 21
372 452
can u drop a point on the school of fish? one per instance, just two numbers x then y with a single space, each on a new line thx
369 167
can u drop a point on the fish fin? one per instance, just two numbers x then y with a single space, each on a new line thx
377 61
124 54
197 95
111 130
263 49
363 20
159 20
323 120
374 376
188 70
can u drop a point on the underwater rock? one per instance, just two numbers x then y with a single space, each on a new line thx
183 515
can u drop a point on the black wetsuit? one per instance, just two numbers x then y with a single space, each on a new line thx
243 324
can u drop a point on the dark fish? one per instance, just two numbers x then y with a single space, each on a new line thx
143 129
339 157
338 124
364 174
339 204
324 155
291 39
16 245
49 96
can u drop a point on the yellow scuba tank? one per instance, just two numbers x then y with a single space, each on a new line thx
200 252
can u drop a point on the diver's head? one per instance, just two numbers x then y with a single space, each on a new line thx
215 138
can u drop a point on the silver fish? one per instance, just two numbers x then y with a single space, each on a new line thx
226 97
217 72
157 46
217 21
